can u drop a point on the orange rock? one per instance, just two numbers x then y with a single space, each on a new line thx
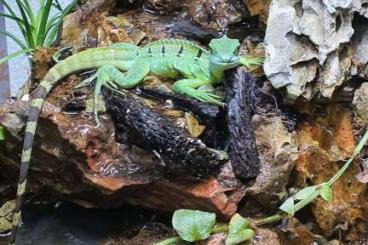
324 141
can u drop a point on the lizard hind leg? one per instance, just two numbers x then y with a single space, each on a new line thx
111 77
102 77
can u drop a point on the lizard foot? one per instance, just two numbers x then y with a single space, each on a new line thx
101 78
207 97
251 61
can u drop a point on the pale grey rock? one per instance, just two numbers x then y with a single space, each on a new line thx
336 69
309 45
359 47
360 103
283 51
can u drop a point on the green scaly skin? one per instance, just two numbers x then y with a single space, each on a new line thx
170 58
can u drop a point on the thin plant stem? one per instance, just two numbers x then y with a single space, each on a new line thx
169 241
356 152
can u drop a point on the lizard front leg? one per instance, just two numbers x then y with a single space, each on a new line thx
189 88
249 61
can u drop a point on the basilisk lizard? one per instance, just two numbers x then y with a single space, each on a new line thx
171 58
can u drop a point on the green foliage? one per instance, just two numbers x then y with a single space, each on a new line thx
39 29
238 230
326 192
240 237
288 206
238 223
193 225
2 133
305 192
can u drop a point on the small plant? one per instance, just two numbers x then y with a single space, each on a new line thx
38 29
193 225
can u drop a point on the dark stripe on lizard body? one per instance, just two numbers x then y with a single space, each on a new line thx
163 50
180 51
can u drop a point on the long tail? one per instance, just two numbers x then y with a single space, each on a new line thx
88 59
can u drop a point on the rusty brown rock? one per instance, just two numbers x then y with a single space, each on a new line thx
325 140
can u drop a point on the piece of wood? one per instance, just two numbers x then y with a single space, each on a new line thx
242 144
159 134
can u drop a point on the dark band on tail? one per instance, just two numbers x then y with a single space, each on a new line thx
34 112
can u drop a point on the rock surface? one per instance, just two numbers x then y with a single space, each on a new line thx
312 47
324 142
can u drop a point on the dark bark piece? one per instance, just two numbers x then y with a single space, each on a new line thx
242 145
210 115
174 146
206 112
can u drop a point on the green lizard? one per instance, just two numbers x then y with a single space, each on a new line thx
171 58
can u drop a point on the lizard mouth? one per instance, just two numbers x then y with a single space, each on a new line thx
225 62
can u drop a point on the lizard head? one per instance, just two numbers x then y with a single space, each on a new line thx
224 52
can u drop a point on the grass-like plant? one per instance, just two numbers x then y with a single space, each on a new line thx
39 28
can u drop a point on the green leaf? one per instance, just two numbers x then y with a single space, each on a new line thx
53 29
305 192
44 16
193 225
239 237
2 133
13 55
238 232
238 223
17 40
326 193
27 26
15 18
288 206
11 12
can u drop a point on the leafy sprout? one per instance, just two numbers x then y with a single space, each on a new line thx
39 28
